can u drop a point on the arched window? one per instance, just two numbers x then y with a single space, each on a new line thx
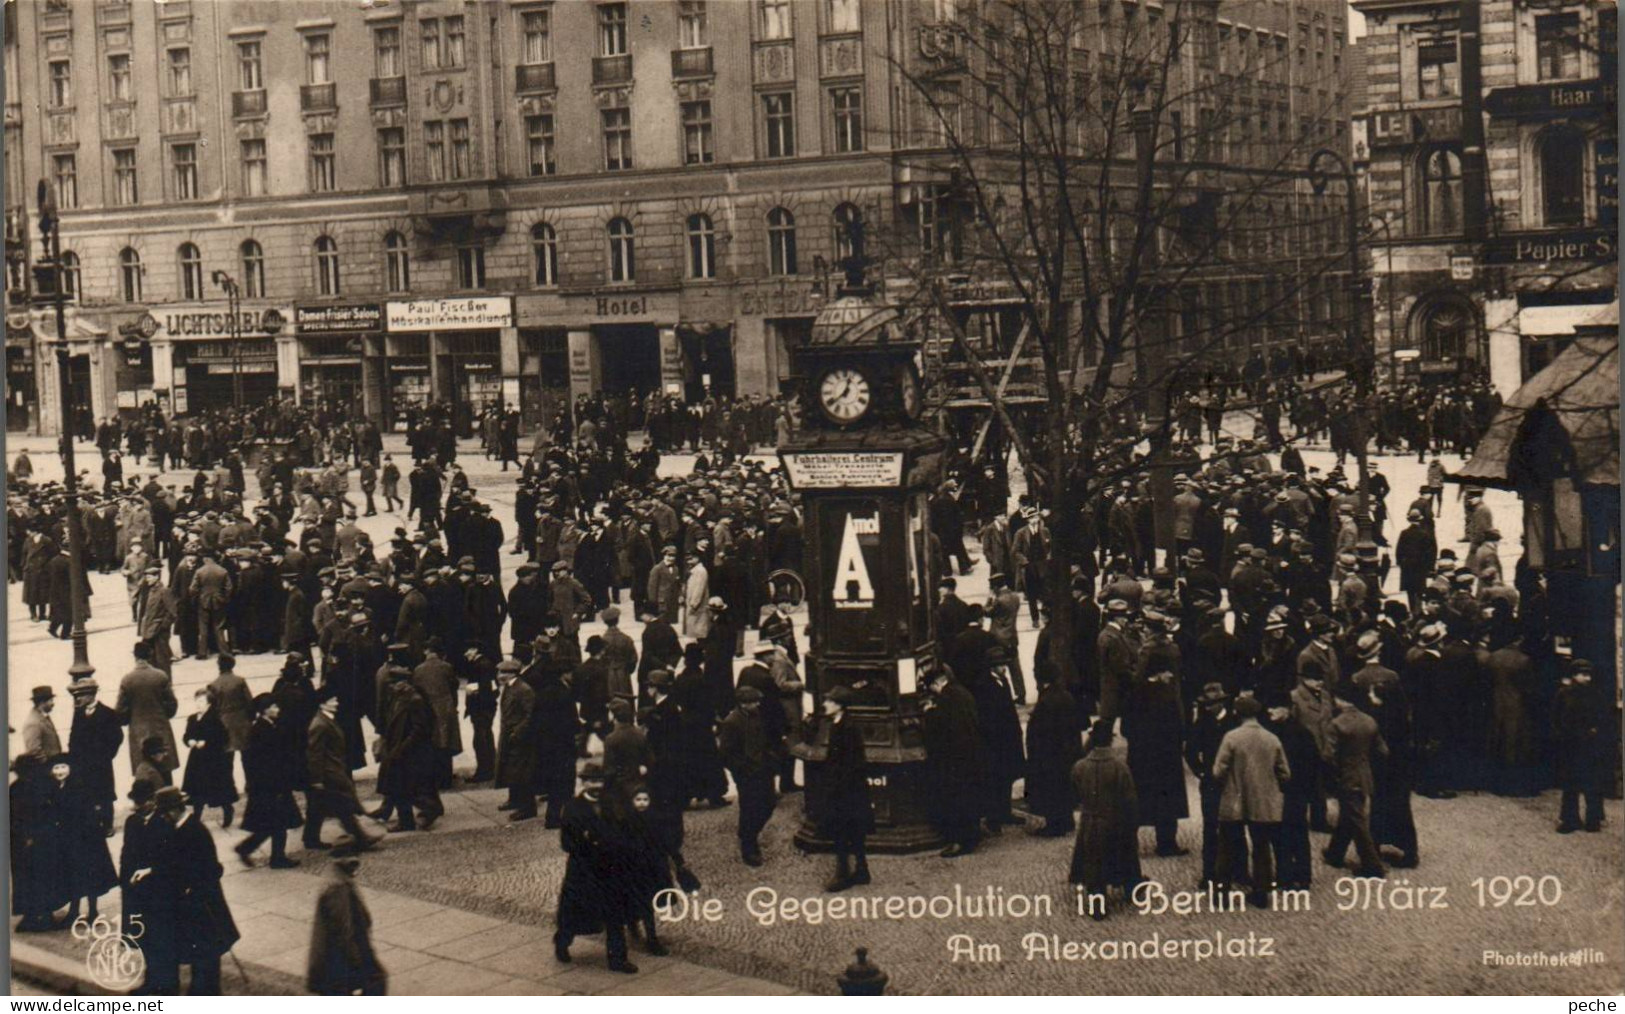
397 263
129 269
253 269
1439 201
191 271
702 247
622 265
846 217
327 266
1444 329
1562 154
781 242
544 245
70 274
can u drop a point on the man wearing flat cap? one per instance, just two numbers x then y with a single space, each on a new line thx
750 752
839 801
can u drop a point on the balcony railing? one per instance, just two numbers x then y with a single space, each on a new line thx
316 98
389 91
691 63
612 69
534 77
249 103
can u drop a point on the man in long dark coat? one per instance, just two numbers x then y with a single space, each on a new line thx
342 961
187 919
408 766
838 799
1053 747
516 743
1153 723
590 899
557 726
751 754
93 741
1106 853
955 764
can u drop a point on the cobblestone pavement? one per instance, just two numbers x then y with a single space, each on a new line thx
495 883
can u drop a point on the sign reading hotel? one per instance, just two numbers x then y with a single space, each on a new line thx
338 319
844 469
473 313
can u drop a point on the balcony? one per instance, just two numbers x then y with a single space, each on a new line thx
691 63
534 77
318 98
612 70
388 91
248 104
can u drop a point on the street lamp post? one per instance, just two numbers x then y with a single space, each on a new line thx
1361 355
1386 218
51 269
234 328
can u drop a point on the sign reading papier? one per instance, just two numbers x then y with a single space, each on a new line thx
844 469
449 314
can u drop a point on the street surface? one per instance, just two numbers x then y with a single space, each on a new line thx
468 907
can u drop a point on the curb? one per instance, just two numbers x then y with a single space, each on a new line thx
53 971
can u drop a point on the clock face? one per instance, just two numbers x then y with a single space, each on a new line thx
910 388
844 394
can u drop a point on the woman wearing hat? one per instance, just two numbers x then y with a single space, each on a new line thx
84 866
37 890
208 780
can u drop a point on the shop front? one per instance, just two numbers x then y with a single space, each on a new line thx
612 343
22 392
203 359
468 349
334 360
91 388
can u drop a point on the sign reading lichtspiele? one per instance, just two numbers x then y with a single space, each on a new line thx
449 314
844 469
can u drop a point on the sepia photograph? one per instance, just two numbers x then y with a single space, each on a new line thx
517 498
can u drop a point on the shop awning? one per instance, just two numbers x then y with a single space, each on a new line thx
1544 321
1580 391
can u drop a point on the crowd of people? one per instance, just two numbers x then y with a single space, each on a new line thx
1260 653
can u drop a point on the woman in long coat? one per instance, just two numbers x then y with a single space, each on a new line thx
1053 748
271 773
36 889
1107 851
1153 722
208 780
84 865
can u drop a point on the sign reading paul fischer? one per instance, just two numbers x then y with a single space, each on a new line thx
449 314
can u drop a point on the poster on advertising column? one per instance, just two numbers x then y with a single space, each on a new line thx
849 534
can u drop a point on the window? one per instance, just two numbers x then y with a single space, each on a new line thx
847 105
254 169
397 263
129 271
471 266
183 171
779 110
391 156
323 173
612 29
781 242
180 72
70 274
65 177
1176 126
1557 46
843 16
949 125
459 149
539 144
386 51
544 246
191 262
118 77
617 139
430 28
702 247
327 267
692 31
454 42
434 148
250 71
62 84
124 188
1436 71
253 258
1562 153
847 219
622 266
1445 327
318 67
775 19
538 31
697 148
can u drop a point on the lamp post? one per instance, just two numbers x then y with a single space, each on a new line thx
49 270
1387 218
234 327
1361 355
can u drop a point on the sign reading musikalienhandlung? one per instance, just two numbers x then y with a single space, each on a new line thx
449 314
844 469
